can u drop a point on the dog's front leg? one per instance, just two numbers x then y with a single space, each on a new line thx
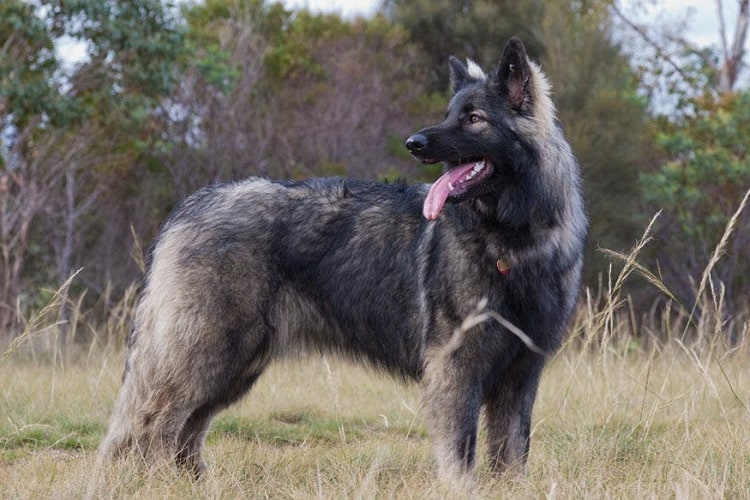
508 407
452 402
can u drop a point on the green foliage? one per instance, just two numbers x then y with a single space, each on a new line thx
27 64
215 32
707 169
134 54
700 183
81 135
138 42
303 48
290 57
323 95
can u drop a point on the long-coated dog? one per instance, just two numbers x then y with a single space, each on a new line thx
466 285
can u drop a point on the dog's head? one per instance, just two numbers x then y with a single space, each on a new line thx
490 131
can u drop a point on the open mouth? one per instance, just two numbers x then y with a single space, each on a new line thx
455 182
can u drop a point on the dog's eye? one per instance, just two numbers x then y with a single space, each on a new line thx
474 118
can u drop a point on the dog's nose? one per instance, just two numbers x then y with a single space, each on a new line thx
415 143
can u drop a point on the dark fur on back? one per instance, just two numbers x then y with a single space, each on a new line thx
248 272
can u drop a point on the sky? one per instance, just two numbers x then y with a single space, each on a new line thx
347 8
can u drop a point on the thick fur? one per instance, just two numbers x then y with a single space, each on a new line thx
248 272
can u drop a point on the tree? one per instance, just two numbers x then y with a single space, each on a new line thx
67 147
24 191
135 54
671 64
732 54
293 95
700 184
29 101
348 93
27 66
226 129
701 172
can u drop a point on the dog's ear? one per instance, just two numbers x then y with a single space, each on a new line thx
462 75
513 74
459 74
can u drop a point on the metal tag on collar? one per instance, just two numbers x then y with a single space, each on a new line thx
503 266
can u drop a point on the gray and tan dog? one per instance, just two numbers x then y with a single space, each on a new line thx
390 274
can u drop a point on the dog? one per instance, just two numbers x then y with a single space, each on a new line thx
465 285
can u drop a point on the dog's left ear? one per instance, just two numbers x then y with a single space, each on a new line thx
459 74
513 74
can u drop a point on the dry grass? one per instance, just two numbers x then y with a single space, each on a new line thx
659 410
614 423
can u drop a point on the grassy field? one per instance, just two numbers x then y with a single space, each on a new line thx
615 422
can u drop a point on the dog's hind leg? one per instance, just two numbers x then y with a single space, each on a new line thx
145 421
226 367
193 433
508 407
177 381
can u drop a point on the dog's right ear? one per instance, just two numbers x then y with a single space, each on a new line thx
513 74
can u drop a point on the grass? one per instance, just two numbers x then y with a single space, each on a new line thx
613 422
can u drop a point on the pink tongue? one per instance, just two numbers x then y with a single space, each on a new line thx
440 190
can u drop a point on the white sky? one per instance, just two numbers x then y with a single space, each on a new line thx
347 8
